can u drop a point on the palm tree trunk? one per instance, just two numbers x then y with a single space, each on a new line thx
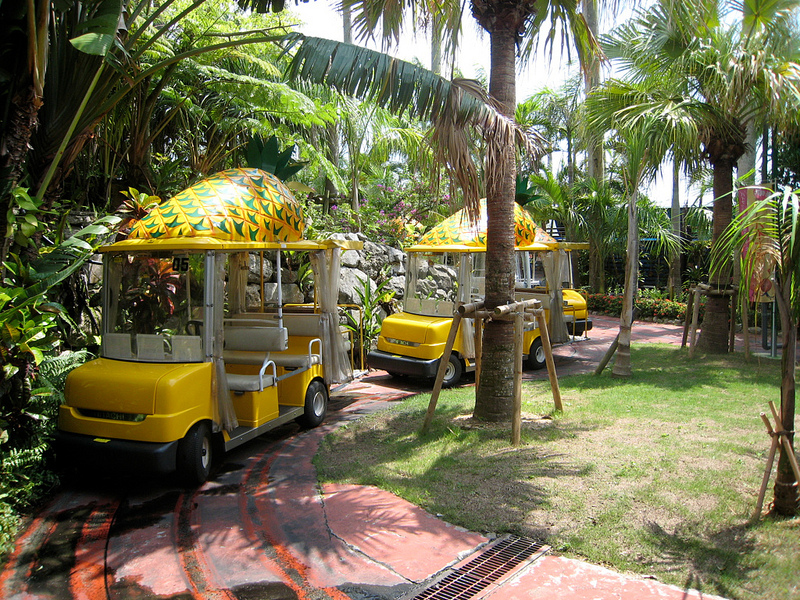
14 151
675 259
714 331
436 48
786 493
494 398
596 283
594 144
622 364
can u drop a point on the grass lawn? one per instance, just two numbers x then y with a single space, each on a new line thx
656 475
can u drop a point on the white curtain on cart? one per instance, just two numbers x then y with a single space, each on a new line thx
327 266
226 413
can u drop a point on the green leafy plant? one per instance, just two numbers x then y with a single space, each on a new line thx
371 299
29 319
150 293
25 473
136 205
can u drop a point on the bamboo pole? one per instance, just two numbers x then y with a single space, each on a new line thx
478 348
437 386
768 470
787 446
548 357
687 318
732 328
746 325
468 309
695 317
516 417
507 309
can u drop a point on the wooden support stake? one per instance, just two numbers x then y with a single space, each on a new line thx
548 357
687 318
478 348
768 470
516 416
745 300
437 386
732 329
787 446
467 309
695 318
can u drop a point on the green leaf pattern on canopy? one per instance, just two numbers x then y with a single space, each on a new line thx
458 229
248 205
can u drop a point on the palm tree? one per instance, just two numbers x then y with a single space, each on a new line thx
504 21
766 235
555 115
689 69
643 153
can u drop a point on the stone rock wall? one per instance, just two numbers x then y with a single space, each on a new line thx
374 263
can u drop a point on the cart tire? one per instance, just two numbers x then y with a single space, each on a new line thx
536 358
195 455
316 405
452 374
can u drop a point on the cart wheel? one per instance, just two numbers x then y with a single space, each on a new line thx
195 455
452 374
316 406
536 358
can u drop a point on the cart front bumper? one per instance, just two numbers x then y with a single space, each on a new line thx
84 451
402 365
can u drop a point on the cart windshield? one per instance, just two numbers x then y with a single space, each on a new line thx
153 309
437 281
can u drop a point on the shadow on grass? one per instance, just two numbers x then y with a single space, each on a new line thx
472 476
713 561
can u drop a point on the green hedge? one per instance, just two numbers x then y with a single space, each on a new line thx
649 308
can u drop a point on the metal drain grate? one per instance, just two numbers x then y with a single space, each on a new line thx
495 562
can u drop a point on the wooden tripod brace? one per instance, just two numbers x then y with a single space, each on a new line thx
779 436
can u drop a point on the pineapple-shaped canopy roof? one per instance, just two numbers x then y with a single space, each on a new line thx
240 205
457 230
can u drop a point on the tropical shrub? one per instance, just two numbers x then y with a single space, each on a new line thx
374 302
26 473
650 308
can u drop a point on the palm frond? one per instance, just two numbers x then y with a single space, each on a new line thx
454 107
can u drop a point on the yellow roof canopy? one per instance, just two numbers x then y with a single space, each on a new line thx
456 230
238 205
